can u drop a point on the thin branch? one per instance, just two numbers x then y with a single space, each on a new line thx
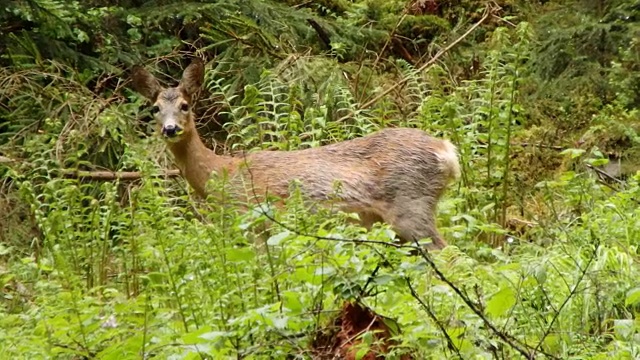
572 293
605 175
556 147
111 175
379 55
433 317
487 13
99 175
6 160
322 33
510 340
507 157
539 145
265 212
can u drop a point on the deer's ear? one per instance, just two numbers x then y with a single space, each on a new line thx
145 83
193 77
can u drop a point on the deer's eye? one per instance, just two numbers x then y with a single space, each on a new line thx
184 107
154 110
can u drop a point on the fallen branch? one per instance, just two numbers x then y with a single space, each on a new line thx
100 175
487 13
5 160
111 175
322 33
543 146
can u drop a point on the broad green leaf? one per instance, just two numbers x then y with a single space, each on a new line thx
362 351
277 238
292 301
240 254
4 250
552 342
213 335
573 153
196 337
156 277
367 338
383 279
624 328
633 297
280 322
501 302
393 326
325 270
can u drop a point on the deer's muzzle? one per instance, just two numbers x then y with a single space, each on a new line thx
171 130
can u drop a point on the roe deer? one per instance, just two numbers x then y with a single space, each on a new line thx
393 175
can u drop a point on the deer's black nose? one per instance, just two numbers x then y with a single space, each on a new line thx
170 130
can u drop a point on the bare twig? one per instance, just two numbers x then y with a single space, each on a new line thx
557 147
379 55
433 317
487 13
99 175
265 212
111 175
322 33
510 340
605 175
573 290
539 145
6 160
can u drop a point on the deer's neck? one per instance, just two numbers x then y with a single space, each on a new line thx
196 162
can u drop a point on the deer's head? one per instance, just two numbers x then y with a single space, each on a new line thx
171 106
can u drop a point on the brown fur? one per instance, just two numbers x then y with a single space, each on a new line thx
393 175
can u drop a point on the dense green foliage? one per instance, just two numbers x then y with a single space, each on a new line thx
544 226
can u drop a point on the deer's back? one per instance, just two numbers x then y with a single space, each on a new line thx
372 169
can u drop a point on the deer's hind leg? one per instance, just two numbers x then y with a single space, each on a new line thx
368 218
415 219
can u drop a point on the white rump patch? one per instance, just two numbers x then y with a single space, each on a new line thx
449 162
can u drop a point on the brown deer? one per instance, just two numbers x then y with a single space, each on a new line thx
394 175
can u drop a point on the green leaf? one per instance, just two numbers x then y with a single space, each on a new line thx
573 153
4 250
134 20
240 254
325 270
280 322
633 297
540 273
361 353
367 338
213 335
623 328
292 301
501 302
197 336
553 342
276 239
156 277
383 279
393 326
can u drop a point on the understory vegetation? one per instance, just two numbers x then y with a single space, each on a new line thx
106 254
